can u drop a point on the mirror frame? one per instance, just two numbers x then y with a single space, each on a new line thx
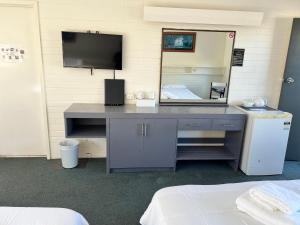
195 103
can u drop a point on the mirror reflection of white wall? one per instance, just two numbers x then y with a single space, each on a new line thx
199 76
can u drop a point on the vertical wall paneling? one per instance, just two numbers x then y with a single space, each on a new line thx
261 75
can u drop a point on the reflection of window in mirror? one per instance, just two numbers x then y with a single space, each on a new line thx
196 66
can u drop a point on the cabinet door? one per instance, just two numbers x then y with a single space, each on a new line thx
125 143
159 143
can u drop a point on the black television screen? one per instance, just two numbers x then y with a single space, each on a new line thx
89 50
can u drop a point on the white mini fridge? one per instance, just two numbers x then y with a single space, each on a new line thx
265 142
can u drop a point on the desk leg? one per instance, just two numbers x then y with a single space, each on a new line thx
107 146
234 143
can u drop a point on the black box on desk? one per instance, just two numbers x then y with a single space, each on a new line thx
114 92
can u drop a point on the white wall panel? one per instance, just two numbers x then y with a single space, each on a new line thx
266 48
202 16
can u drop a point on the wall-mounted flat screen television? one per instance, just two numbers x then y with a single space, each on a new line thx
92 50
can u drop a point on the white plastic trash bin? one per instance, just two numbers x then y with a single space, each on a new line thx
69 153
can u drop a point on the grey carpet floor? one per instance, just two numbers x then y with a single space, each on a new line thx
115 199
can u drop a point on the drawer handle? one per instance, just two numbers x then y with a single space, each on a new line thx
228 125
192 125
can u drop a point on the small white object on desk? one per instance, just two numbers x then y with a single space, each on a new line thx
140 95
248 103
260 102
145 102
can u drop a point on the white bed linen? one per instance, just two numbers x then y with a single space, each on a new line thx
178 92
40 216
201 205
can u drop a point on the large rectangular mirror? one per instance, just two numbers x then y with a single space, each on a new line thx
195 66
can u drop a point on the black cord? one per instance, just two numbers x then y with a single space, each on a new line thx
114 74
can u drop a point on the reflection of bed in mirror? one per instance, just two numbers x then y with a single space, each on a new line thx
178 92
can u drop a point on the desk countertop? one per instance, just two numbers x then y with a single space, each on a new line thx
86 110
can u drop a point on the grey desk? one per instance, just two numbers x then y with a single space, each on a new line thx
147 138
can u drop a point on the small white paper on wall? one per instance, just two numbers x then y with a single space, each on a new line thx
11 54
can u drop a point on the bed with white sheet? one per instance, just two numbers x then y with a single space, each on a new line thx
180 92
202 205
40 216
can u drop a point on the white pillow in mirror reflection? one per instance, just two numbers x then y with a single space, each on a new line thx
174 86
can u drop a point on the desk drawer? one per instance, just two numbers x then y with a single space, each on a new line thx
194 124
220 124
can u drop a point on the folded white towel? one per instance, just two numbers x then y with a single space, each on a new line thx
275 197
248 205
263 203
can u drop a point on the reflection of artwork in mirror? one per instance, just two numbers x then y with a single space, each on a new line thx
179 41
199 77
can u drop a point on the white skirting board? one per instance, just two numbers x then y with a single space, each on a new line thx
202 16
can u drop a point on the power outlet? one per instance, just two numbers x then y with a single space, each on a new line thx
88 155
130 96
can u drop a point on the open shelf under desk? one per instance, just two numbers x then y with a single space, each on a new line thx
85 128
91 131
204 153
200 141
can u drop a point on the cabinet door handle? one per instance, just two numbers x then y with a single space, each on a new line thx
140 129
145 129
